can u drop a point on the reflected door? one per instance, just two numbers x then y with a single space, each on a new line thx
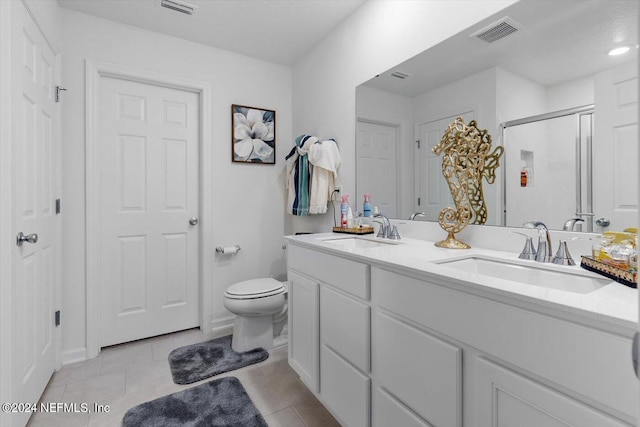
433 189
149 154
615 149
376 167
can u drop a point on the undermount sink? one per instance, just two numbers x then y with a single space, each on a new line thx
358 242
528 274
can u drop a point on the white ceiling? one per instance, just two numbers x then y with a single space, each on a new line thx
279 31
559 41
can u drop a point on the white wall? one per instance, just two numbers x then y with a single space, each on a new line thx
379 35
389 108
248 199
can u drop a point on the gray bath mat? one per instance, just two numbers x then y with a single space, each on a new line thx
218 403
203 360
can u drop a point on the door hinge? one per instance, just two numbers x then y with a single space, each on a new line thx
57 321
418 142
57 206
418 201
58 90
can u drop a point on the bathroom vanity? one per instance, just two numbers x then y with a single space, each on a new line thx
407 334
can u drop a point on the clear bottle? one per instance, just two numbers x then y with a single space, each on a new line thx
349 218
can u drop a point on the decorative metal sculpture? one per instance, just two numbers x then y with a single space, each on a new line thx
466 160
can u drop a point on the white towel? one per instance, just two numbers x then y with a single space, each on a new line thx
326 159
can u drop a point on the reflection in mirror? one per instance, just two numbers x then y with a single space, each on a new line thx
553 59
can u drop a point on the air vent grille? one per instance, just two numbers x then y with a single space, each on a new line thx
497 30
179 6
399 75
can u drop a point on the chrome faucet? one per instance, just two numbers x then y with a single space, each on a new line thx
543 254
385 224
570 224
417 214
386 232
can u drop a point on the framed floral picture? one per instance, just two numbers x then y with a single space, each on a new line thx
253 135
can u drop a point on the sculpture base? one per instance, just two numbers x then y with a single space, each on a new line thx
452 243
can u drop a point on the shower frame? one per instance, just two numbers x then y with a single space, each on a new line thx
578 113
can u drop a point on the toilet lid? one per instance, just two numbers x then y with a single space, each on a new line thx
257 287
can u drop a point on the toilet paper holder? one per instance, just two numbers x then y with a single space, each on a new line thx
228 249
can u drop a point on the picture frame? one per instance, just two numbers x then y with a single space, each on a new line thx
253 135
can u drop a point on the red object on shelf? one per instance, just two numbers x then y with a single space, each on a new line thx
524 178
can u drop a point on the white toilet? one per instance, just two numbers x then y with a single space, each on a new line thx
255 303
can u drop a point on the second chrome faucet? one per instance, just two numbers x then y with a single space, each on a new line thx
543 253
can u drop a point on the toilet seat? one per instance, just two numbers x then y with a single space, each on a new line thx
256 288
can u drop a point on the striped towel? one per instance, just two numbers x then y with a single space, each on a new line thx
299 176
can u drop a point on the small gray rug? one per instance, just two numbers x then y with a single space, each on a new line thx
218 403
203 360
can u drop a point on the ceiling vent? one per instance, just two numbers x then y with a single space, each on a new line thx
179 6
400 75
497 30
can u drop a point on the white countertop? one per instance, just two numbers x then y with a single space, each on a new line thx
613 307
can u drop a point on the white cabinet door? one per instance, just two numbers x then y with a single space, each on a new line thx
345 390
389 411
422 371
345 327
507 399
304 325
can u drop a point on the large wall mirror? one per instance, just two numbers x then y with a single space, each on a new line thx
538 76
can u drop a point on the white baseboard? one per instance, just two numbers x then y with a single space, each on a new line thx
225 322
74 356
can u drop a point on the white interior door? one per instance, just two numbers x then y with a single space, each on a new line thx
35 166
433 189
615 148
376 167
149 153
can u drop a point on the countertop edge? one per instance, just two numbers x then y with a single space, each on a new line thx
606 323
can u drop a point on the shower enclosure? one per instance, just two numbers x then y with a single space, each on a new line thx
548 169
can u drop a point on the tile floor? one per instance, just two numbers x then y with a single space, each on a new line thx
129 374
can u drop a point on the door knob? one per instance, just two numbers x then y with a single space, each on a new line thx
193 221
29 238
603 222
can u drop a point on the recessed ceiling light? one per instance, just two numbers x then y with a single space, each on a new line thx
619 50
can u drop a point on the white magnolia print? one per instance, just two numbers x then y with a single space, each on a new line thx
253 135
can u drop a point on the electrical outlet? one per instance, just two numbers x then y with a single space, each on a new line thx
338 188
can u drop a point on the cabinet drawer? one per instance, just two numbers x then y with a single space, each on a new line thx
422 371
344 326
344 389
506 398
349 276
388 411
